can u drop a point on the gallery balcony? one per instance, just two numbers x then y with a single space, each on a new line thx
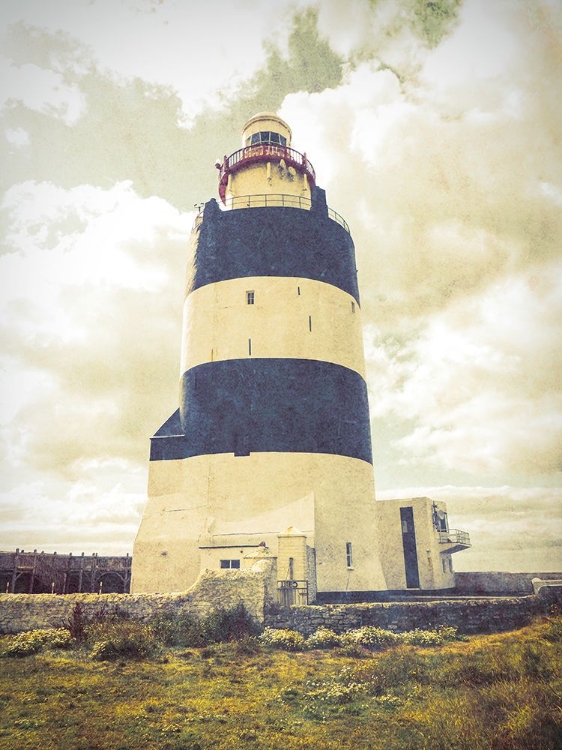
454 540
263 152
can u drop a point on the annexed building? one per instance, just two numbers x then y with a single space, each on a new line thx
270 448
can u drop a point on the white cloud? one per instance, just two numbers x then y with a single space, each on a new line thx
485 44
41 90
479 380
91 314
198 50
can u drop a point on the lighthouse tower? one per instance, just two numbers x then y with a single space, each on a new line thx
271 444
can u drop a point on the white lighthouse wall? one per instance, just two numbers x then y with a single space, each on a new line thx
271 178
290 318
257 497
166 550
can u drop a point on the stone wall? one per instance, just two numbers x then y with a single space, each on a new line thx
256 588
213 589
482 615
498 582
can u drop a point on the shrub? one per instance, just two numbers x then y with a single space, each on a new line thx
181 629
392 669
370 637
33 641
436 637
76 625
228 625
219 626
333 691
288 640
126 639
323 638
554 629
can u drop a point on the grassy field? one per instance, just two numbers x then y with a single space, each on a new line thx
501 692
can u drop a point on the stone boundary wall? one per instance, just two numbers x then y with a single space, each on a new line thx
482 615
212 590
255 588
498 582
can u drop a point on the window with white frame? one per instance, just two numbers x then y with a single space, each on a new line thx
250 297
230 564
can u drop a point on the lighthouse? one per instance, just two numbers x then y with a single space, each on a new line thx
271 444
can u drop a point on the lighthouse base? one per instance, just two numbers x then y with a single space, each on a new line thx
315 513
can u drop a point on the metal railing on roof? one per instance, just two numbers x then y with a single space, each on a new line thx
273 200
454 536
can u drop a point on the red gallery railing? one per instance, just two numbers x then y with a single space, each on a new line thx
264 152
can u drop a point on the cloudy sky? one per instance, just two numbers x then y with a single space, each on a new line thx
435 130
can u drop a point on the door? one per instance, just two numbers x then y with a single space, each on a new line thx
409 544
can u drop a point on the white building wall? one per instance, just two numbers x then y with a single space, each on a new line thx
430 551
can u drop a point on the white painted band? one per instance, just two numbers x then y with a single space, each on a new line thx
290 318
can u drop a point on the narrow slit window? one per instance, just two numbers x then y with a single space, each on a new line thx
310 322
299 291
349 554
250 347
250 297
353 307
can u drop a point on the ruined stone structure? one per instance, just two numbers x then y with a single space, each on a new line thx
41 573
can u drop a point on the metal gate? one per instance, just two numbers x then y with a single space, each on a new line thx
292 592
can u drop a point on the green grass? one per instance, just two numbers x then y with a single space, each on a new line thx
496 692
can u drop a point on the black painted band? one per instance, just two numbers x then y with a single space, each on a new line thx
244 406
274 241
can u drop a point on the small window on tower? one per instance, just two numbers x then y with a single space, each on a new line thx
353 307
349 554
250 298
